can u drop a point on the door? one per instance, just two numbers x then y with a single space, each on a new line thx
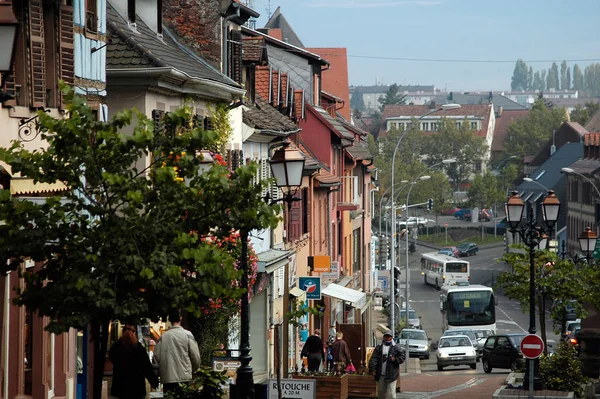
503 353
354 338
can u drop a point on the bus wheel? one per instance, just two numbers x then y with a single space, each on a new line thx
425 279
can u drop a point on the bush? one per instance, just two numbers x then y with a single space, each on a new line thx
562 371
206 384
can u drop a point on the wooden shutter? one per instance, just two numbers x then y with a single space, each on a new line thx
67 56
235 56
295 221
37 56
305 211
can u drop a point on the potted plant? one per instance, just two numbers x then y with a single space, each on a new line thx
361 384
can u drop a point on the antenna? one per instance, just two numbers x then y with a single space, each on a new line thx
252 21
269 8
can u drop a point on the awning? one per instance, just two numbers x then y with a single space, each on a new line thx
27 186
356 299
298 293
273 259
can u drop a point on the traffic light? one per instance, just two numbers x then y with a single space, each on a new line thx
430 204
397 274
383 250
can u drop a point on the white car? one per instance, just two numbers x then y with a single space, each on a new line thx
414 221
456 350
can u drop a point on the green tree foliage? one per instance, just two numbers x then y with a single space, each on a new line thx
128 240
563 371
592 79
553 78
543 77
554 278
530 78
519 78
537 81
526 136
577 78
461 144
357 101
582 114
392 97
485 191
568 82
563 76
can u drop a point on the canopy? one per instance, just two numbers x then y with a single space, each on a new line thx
355 298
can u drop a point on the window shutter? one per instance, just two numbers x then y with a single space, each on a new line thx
295 221
275 191
264 175
157 118
305 211
235 56
67 57
37 56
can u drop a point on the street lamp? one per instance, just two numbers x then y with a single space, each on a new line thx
445 107
587 242
532 235
287 165
8 33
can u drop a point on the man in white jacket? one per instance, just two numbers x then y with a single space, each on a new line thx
176 354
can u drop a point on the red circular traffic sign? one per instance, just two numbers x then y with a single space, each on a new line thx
446 224
532 346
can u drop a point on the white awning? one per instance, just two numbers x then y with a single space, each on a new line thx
298 293
356 299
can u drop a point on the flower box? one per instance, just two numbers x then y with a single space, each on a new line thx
328 386
362 386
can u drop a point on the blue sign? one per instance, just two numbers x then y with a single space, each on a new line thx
310 285
382 282
303 324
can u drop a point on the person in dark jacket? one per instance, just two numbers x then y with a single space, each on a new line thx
385 364
341 353
314 351
131 366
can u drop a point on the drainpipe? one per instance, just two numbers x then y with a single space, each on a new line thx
226 20
6 305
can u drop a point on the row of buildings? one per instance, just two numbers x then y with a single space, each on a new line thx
156 55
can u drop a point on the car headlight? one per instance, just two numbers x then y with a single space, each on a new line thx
442 354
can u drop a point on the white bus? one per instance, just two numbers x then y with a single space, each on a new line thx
438 269
471 306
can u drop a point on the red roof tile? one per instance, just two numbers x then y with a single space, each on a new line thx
502 123
262 81
253 49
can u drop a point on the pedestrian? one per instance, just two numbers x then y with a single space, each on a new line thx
341 353
176 354
385 364
329 356
131 366
314 351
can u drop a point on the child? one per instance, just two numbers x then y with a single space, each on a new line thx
329 356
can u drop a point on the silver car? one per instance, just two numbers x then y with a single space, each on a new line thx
418 342
414 321
481 338
469 333
456 350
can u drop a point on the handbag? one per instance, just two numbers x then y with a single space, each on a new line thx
350 368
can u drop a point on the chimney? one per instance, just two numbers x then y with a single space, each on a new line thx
499 112
432 104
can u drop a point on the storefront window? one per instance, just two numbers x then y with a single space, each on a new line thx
28 361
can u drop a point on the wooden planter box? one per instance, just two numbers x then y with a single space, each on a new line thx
362 386
328 387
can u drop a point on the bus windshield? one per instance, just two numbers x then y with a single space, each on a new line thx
471 308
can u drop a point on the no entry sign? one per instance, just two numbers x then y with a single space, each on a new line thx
532 346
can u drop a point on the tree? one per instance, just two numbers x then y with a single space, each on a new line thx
485 191
519 78
582 114
457 143
592 79
554 278
552 80
530 78
537 81
135 234
563 76
577 78
527 136
357 102
392 97
568 78
543 77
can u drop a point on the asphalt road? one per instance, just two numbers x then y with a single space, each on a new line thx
484 269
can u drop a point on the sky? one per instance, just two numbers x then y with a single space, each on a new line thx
493 33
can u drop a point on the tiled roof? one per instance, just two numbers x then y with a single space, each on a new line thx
593 124
334 79
145 49
253 49
586 166
481 111
401 89
277 20
263 116
311 161
592 139
335 124
359 152
326 177
502 124
486 98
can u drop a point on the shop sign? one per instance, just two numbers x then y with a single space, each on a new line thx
293 389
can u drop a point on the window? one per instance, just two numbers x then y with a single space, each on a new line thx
356 244
458 124
425 126
478 167
91 20
474 125
402 126
435 126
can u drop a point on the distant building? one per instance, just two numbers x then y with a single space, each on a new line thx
528 97
415 94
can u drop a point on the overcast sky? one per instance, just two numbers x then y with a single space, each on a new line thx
446 31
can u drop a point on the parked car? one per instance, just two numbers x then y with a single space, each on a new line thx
447 252
485 215
418 342
503 352
462 213
414 221
455 350
452 249
464 331
414 321
569 308
450 211
467 249
572 337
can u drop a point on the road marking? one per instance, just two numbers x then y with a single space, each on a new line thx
510 318
429 395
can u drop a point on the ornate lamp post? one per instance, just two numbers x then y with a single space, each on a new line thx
532 235
587 242
287 164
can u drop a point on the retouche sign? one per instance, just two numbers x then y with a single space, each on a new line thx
293 389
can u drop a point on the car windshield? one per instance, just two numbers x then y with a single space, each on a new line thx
463 246
411 314
416 335
516 340
451 342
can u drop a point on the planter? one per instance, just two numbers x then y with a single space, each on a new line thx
506 393
361 386
328 386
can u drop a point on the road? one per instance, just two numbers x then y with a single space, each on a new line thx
484 269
